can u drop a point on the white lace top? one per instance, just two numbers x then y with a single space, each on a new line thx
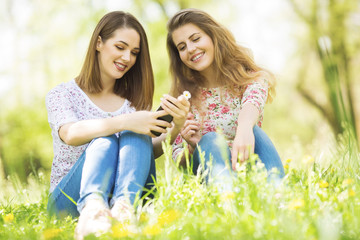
68 103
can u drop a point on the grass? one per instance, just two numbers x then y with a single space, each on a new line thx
314 201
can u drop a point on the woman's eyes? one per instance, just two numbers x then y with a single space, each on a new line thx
183 47
133 53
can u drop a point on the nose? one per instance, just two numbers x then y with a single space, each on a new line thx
191 47
126 56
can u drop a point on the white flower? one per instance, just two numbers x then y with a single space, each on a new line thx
187 95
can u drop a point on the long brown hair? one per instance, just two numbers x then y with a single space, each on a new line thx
234 63
137 85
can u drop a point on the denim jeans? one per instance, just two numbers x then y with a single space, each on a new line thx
215 145
109 169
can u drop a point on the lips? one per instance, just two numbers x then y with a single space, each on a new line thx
120 66
197 57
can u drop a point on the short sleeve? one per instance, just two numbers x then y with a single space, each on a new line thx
256 93
60 108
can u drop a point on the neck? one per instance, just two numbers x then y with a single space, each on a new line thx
211 80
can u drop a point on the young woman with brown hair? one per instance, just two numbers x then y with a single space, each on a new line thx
102 127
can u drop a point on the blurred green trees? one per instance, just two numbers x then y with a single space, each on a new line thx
48 41
333 36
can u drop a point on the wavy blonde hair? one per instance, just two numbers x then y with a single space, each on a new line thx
234 63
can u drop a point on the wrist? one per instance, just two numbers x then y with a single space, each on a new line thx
190 148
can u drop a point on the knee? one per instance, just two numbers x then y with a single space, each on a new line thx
209 137
133 135
107 142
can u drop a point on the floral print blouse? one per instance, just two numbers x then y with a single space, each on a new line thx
221 108
68 103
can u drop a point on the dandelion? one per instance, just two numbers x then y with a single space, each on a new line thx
288 160
308 159
351 192
168 216
143 217
347 182
51 233
152 230
228 195
120 230
286 166
187 95
8 218
323 184
296 204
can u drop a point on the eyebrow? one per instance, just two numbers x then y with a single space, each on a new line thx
188 38
128 44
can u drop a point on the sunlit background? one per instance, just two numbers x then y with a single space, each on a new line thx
43 43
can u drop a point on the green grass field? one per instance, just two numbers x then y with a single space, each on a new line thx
314 201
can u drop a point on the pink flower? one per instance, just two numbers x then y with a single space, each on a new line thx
212 106
178 140
225 109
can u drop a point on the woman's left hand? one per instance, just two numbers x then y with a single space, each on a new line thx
177 107
243 145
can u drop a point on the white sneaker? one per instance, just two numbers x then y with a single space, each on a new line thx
123 211
95 218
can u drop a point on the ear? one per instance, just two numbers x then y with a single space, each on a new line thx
99 43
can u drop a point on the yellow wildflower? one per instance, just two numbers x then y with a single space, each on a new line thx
347 182
228 195
143 217
308 159
168 216
151 230
296 204
51 233
323 184
351 192
120 230
288 160
8 218
286 166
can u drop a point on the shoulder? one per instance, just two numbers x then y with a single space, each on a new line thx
63 90
263 77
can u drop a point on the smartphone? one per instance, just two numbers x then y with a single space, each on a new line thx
167 118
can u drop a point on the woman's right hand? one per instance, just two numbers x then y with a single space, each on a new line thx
191 131
143 122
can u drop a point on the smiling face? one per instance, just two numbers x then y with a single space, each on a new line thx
195 47
118 54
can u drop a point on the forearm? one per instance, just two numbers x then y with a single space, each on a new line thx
248 117
82 132
158 151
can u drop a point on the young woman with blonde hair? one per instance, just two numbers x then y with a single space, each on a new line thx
229 91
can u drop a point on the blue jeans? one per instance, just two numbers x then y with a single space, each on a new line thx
109 169
220 170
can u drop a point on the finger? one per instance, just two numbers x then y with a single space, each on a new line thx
162 123
234 159
159 129
190 116
184 101
246 154
160 113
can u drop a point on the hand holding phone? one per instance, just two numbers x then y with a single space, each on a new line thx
168 117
